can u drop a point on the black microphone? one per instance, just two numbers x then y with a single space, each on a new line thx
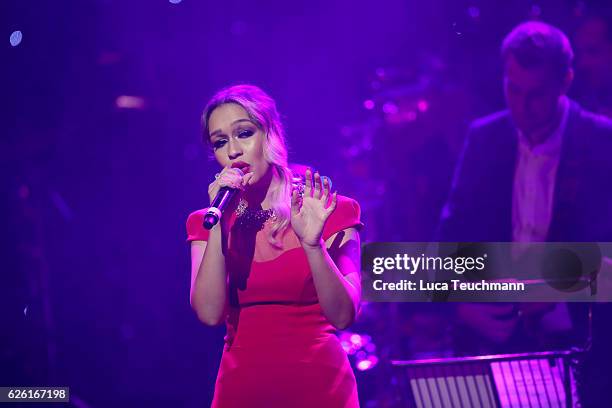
217 207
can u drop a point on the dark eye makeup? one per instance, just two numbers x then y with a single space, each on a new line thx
219 143
241 133
244 133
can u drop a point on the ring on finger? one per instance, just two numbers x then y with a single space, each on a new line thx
300 189
329 182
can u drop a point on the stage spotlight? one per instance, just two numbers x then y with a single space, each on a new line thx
368 104
16 37
130 102
367 363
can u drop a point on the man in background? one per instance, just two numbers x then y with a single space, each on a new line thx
538 171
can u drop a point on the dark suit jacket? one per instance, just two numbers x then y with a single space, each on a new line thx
479 207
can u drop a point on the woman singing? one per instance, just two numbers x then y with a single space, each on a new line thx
281 269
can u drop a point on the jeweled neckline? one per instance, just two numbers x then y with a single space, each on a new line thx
253 219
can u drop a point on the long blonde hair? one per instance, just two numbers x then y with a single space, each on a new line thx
261 109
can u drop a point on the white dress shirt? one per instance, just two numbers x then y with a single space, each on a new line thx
532 202
534 184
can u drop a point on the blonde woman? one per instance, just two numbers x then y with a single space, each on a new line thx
281 269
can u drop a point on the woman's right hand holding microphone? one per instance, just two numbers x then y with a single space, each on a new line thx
229 177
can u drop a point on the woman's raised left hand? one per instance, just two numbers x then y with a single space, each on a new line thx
310 212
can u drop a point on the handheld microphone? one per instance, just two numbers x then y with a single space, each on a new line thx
219 204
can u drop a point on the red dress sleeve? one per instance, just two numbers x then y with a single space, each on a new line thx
195 229
346 215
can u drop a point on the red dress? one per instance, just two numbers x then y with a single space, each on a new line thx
280 350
